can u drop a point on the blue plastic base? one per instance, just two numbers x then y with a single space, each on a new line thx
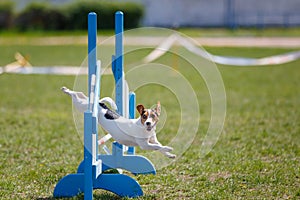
132 163
122 185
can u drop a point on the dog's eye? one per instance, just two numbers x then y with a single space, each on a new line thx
144 116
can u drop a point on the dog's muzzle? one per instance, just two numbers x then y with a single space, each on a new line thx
149 127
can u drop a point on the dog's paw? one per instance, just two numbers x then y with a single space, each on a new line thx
170 155
165 151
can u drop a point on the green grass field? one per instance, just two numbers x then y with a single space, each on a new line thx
256 157
193 32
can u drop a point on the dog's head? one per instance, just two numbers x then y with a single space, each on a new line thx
149 117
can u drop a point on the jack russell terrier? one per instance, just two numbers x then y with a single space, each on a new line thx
130 132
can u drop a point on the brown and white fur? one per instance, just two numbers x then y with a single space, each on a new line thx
130 132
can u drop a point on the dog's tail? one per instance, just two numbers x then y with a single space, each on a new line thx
110 102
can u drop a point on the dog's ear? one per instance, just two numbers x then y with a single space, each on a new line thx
158 108
140 108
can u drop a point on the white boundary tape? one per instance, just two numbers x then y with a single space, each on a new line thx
58 70
54 70
159 51
225 60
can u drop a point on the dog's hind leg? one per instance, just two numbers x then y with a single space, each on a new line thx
80 101
110 101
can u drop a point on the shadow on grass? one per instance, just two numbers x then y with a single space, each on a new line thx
103 196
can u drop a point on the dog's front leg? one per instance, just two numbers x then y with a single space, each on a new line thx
145 145
166 150
153 140
168 154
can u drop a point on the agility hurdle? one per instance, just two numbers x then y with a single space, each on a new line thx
89 175
125 101
126 107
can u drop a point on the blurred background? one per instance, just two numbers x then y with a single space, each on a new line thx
58 14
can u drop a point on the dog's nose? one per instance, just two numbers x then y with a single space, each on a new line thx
148 123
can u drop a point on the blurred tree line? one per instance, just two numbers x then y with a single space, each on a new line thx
73 16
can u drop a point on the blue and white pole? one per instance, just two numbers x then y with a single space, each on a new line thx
118 67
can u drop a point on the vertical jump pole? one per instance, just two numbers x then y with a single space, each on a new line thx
132 104
92 50
118 62
88 119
